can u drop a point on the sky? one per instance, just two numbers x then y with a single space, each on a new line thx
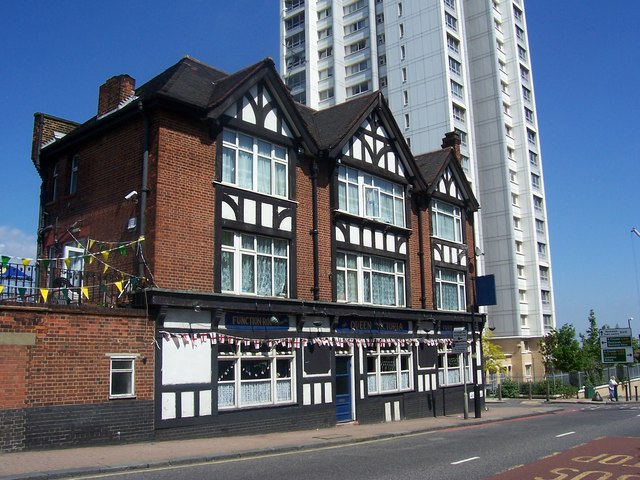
57 54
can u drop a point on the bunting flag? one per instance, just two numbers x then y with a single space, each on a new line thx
105 255
45 293
26 262
1 288
119 286
5 260
85 292
67 262
123 250
45 263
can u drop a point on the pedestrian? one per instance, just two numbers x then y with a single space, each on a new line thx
613 389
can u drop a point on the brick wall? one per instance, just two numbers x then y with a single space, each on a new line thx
65 370
181 227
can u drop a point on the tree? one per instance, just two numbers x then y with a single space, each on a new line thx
492 356
591 351
561 351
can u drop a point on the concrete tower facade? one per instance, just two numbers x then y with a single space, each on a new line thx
448 65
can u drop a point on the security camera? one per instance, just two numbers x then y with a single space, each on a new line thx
132 195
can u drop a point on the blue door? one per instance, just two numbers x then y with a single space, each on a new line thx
343 389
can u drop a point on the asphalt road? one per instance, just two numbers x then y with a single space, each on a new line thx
474 452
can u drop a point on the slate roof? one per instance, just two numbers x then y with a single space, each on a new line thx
331 126
430 164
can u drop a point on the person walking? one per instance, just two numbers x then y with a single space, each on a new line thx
613 389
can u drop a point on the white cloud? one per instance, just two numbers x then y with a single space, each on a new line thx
16 243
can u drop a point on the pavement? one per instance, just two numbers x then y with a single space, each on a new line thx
93 460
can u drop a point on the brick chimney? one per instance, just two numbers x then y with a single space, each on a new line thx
115 91
452 140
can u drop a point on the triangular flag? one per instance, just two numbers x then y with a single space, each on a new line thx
134 282
102 288
106 267
65 293
119 285
21 292
67 262
45 293
26 261
90 259
85 292
1 288
123 250
105 255
5 260
45 263
91 243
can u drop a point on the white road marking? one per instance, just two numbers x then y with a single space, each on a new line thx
463 461
565 434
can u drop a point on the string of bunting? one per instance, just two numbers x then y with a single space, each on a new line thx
215 338
89 255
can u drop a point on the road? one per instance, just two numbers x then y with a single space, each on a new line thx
474 452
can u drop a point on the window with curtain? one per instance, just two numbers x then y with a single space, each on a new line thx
450 290
451 368
252 375
254 164
446 221
388 368
254 265
370 196
370 279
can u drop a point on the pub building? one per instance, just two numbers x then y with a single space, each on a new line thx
302 267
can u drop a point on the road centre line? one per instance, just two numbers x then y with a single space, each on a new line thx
565 434
464 461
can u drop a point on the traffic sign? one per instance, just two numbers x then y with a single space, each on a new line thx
616 346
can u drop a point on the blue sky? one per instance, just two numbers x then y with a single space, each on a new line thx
586 68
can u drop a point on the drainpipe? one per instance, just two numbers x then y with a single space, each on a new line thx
314 232
423 285
144 190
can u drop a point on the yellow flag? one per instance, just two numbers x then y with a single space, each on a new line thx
119 285
1 288
105 255
91 243
67 262
85 292
45 293
90 259
26 261
106 267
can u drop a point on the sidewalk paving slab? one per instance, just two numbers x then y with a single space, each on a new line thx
79 461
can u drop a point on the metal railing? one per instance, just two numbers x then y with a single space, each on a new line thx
53 284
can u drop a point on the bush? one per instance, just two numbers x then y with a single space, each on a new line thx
510 389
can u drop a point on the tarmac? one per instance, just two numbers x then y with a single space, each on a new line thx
94 460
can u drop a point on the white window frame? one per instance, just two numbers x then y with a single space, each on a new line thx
235 247
361 194
389 369
356 276
118 370
73 175
452 215
455 66
457 90
236 144
281 389
459 284
451 367
451 21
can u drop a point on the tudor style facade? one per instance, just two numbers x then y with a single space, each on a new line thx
299 268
